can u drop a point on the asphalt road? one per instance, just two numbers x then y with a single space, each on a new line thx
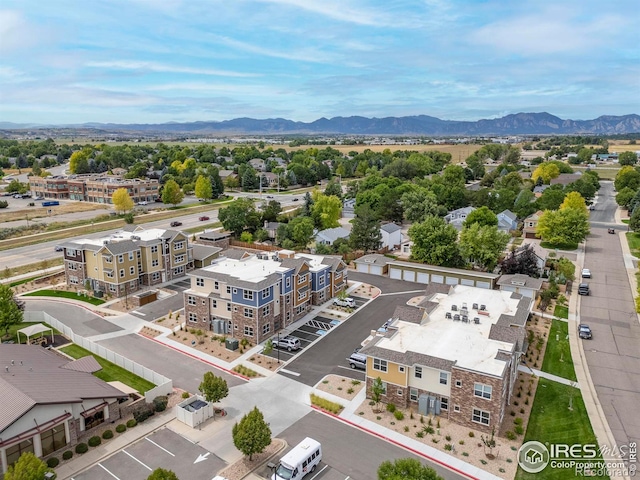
613 355
348 452
80 320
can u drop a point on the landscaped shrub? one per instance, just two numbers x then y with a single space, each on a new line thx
448 447
131 423
94 441
471 434
121 428
160 403
325 404
510 435
67 455
107 434
52 462
142 413
82 448
186 394
391 407
398 414
518 429
429 430
517 421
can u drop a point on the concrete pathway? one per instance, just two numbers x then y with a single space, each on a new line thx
548 376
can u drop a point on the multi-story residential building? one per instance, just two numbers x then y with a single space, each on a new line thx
257 294
93 188
124 262
456 356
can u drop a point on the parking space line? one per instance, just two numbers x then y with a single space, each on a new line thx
284 370
322 470
105 469
144 465
160 447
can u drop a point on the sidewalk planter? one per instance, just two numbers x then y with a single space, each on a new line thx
194 411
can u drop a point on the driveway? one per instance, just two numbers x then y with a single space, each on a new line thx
82 321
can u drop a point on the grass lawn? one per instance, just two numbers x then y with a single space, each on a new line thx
110 372
634 243
13 329
626 220
20 282
560 311
551 421
62 294
203 227
560 246
559 349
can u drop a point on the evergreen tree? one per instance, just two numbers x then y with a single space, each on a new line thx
365 234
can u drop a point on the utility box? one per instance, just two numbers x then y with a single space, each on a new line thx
98 293
231 344
219 326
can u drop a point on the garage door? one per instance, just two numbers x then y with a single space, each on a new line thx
395 273
423 278
452 281
467 281
410 275
363 268
483 285
376 269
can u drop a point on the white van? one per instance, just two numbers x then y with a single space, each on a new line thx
304 458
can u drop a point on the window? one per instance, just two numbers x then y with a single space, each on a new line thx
266 310
400 392
444 378
480 416
228 307
401 368
216 286
288 299
288 282
379 364
130 255
132 270
456 408
73 266
248 331
73 280
108 259
178 246
14 452
199 281
235 290
154 262
444 403
265 293
302 279
191 300
120 259
112 288
71 252
413 394
179 258
301 295
228 289
458 383
193 317
482 390
230 325
155 276
266 328
321 280
248 312
214 304
122 272
154 249
417 372
247 294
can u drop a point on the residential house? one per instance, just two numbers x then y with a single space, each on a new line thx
127 260
538 190
530 224
348 208
523 284
457 217
391 236
540 254
225 174
507 221
257 164
214 239
330 235
269 179
47 402
272 229
252 296
468 375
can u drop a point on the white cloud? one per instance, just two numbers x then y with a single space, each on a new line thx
159 67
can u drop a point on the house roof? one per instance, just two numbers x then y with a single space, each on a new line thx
565 178
86 364
408 314
509 214
332 234
38 376
373 258
202 252
390 227
521 280
123 246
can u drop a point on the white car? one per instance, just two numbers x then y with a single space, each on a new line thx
347 302
586 273
143 202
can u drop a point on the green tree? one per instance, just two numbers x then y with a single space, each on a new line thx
625 196
301 231
252 434
333 189
365 233
236 217
171 193
10 309
121 200
574 200
406 469
482 216
28 467
213 388
475 164
627 177
628 158
435 243
634 220
203 188
551 198
326 211
482 245
377 390
271 211
418 204
162 474
563 227
79 161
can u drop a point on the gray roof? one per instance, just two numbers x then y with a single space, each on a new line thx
520 280
374 258
272 225
334 262
295 263
406 358
120 247
469 273
201 252
86 364
38 376
509 214
332 234
408 314
390 227
235 253
213 235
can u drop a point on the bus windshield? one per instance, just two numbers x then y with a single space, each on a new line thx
284 472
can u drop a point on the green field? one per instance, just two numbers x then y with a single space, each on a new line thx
553 422
110 372
557 357
62 294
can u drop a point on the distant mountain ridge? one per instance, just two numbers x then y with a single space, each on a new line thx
514 124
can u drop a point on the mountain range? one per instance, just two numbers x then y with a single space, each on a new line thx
515 124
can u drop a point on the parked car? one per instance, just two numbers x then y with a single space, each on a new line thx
583 289
345 302
288 342
59 248
586 273
175 223
584 331
296 199
143 202
357 360
612 230
592 207
269 196
203 218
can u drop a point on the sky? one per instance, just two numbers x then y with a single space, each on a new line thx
155 61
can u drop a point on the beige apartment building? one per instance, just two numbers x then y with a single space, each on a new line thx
128 260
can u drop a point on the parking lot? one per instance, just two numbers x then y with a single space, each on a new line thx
161 449
160 308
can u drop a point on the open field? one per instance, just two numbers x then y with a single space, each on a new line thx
620 146
39 212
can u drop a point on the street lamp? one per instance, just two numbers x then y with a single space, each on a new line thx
278 348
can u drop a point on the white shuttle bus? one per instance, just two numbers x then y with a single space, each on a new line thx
304 458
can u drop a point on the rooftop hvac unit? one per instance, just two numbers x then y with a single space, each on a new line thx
219 326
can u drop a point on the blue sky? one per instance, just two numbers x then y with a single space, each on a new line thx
153 61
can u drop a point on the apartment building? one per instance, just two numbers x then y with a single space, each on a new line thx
127 260
93 188
254 295
456 356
